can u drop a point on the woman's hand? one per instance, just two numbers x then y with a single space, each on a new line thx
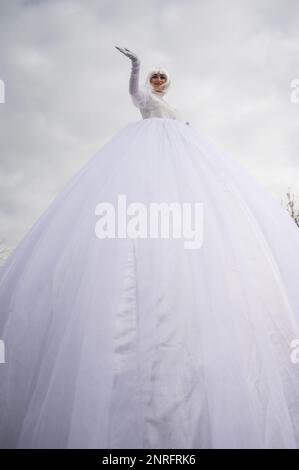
128 53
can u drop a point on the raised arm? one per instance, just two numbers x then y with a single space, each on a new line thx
138 96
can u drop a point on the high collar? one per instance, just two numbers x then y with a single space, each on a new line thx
158 93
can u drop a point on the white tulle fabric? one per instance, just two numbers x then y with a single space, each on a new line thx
126 343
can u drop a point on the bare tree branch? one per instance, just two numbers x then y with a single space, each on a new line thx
291 206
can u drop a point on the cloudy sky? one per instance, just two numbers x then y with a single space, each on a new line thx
66 87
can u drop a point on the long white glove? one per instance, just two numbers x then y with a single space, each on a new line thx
138 96
128 53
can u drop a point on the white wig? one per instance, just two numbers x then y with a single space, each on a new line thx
158 70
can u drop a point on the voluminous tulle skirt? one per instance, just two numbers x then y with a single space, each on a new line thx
139 342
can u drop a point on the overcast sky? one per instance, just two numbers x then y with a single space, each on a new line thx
66 87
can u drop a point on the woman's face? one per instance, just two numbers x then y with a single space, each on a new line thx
158 81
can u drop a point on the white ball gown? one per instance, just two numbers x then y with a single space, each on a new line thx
139 342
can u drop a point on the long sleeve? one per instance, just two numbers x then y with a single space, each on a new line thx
138 96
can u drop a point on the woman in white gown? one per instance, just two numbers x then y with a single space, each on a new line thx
127 342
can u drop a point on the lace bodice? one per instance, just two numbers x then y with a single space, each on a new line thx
149 102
